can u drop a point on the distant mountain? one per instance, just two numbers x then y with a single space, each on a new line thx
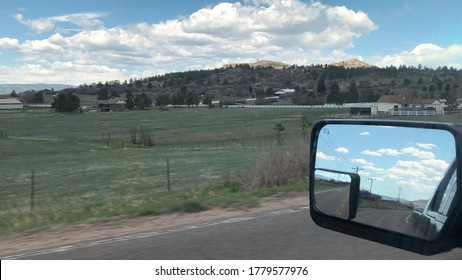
8 88
260 64
352 63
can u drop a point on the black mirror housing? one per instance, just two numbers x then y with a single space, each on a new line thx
333 144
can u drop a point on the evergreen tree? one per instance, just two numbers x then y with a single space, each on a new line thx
162 100
65 103
38 98
335 95
322 87
142 101
103 94
353 93
130 100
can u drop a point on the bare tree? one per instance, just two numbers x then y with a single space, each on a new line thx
145 138
279 128
133 132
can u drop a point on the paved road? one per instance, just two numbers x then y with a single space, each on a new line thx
286 234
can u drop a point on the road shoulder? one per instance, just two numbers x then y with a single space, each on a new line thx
66 235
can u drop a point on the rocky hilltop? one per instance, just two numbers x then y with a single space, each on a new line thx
260 64
352 63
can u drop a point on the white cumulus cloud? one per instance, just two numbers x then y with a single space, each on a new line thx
342 150
412 151
292 31
427 54
427 146
324 156
41 25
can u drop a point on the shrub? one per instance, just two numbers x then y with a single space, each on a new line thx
278 168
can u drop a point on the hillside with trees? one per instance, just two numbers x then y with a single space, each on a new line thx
316 84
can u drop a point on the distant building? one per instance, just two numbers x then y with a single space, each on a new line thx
363 110
10 104
459 103
389 103
285 92
112 104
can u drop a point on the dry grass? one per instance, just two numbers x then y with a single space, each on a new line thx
277 168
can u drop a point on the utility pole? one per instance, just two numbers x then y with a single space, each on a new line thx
372 180
399 194
357 169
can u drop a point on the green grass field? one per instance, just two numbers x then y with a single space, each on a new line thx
84 165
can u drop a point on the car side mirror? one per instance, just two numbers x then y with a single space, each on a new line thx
393 182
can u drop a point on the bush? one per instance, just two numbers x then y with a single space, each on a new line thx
145 138
280 168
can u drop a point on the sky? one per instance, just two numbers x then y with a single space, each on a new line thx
76 42
414 159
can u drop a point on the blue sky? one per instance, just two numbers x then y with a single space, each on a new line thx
75 42
414 159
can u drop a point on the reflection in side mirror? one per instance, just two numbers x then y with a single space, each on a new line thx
337 192
406 176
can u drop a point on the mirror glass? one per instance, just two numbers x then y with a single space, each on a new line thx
334 195
407 176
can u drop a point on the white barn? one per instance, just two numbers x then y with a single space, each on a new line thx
10 104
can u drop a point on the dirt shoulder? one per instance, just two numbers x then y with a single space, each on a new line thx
65 235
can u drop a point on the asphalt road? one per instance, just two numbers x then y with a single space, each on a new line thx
286 234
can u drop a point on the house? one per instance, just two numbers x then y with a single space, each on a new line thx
387 103
427 104
112 104
459 103
285 92
10 104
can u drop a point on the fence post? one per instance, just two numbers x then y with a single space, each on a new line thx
32 191
168 174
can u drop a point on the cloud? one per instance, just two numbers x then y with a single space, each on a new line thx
324 156
342 150
371 153
41 25
411 151
424 169
428 146
417 185
380 152
9 43
61 72
365 133
373 168
361 161
388 152
429 55
291 31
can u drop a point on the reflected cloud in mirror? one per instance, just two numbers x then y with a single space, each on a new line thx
406 176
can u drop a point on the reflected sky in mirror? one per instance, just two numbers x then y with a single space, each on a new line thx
396 162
